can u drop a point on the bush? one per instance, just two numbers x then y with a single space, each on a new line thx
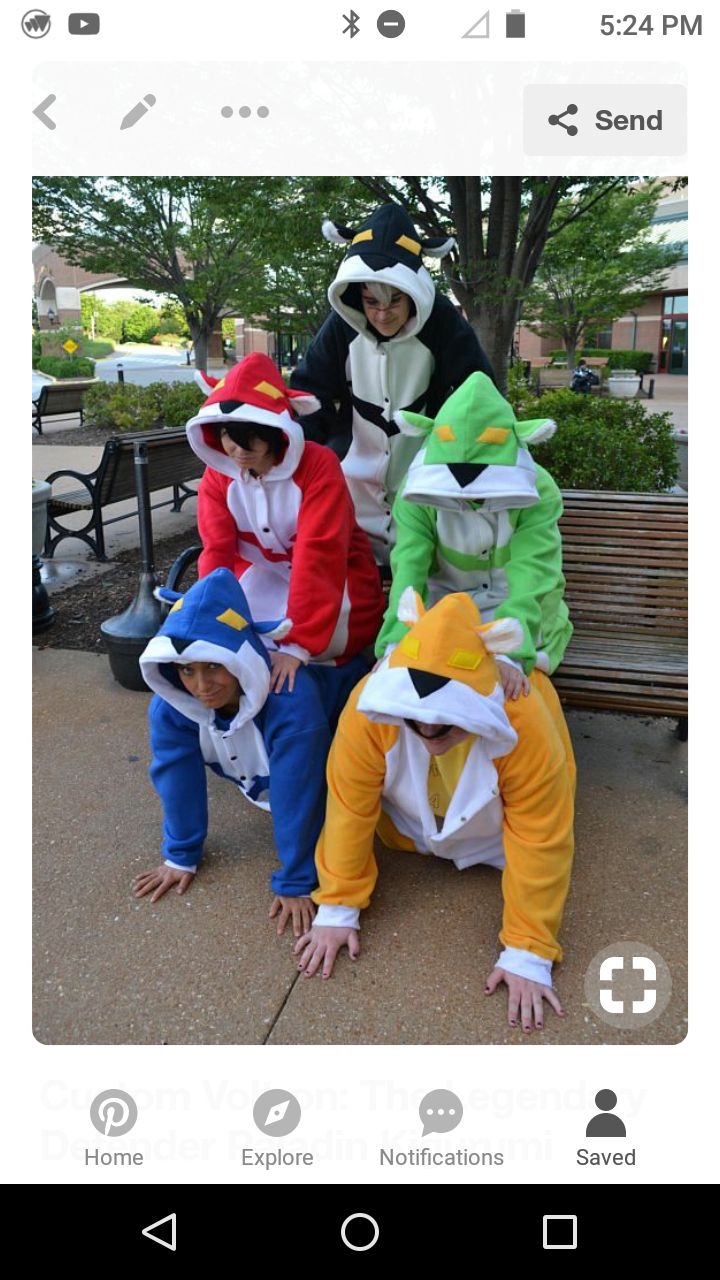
96 348
606 444
36 349
66 366
640 361
179 401
122 407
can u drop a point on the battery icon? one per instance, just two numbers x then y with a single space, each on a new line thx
515 25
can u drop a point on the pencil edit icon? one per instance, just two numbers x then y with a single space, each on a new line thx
138 111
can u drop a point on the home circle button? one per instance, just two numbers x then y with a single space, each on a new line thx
360 1232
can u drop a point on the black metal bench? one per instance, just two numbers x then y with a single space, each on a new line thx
171 462
60 400
625 559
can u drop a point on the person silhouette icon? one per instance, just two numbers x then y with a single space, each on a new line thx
604 1125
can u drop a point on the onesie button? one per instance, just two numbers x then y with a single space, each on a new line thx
243 777
486 586
463 818
265 529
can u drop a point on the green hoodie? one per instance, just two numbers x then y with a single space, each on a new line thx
477 514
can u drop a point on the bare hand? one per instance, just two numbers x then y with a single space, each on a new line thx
284 666
525 998
300 910
320 946
160 880
514 682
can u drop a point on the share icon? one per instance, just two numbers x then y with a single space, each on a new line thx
570 110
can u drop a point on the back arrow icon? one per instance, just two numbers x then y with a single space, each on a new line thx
40 111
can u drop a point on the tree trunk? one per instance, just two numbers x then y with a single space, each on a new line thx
495 332
200 335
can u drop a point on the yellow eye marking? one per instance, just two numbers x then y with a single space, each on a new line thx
219 384
269 390
465 659
231 618
493 435
445 433
405 242
411 646
362 235
177 605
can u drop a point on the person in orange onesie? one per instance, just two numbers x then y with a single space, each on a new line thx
430 756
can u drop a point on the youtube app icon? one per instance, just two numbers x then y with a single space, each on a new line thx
84 24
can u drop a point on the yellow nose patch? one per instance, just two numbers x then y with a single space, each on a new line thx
465 659
445 434
405 242
411 646
493 435
268 389
231 618
177 605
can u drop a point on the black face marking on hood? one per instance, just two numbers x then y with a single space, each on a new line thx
466 472
229 406
426 682
179 645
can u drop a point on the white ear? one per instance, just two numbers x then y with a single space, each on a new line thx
205 383
333 233
545 430
408 611
280 631
503 636
440 250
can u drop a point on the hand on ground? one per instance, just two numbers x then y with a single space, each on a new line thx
525 999
158 882
300 910
320 946
284 666
514 682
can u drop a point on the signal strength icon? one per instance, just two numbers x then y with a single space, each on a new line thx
352 19
480 30
36 23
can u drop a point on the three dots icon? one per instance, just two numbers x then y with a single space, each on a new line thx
244 112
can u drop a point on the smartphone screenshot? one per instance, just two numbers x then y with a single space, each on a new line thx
360 405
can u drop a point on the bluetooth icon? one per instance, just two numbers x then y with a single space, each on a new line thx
352 19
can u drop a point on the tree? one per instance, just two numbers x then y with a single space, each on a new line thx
600 267
501 225
199 240
290 292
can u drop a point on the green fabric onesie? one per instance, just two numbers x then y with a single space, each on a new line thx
477 514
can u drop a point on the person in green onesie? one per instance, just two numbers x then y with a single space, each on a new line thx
477 514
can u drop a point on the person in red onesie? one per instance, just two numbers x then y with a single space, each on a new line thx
275 509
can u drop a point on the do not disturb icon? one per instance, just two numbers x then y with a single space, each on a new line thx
570 110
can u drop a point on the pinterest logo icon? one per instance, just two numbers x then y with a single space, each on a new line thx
113 1113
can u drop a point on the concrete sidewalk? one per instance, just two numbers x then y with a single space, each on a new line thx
207 968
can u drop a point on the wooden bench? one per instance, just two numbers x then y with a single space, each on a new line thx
171 462
625 558
60 400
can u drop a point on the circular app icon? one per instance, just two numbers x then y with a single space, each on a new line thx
628 985
113 1112
36 23
276 1113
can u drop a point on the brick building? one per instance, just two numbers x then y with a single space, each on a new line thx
660 323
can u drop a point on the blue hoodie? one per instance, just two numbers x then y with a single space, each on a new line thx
274 749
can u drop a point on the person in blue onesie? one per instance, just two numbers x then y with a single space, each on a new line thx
210 672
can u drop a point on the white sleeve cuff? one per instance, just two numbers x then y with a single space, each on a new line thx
526 965
295 651
176 867
503 657
337 917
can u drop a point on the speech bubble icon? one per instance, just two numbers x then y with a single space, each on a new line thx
440 1111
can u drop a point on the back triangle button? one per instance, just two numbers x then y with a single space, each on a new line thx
168 1238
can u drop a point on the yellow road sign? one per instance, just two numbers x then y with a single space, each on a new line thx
70 346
